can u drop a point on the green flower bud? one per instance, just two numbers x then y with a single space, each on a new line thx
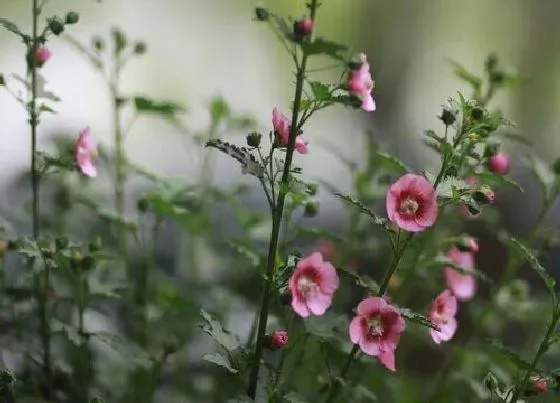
254 139
72 18
140 48
262 14
56 26
311 209
447 117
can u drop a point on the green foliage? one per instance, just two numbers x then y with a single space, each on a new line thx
382 222
322 46
248 162
217 332
167 109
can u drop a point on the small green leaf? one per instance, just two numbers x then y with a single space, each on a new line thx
70 331
327 326
542 172
491 178
417 318
513 357
248 162
283 26
148 106
321 91
361 281
219 360
390 163
10 26
46 108
382 222
215 330
129 351
245 251
534 263
321 46
474 81
219 109
114 218
96 287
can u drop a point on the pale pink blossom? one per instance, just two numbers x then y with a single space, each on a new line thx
499 163
463 286
442 314
361 84
282 127
312 285
42 54
377 329
86 153
412 203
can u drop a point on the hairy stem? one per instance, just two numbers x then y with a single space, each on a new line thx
277 222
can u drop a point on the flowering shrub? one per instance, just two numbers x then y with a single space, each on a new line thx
414 326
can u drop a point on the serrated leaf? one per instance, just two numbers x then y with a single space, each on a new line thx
382 222
542 172
534 263
513 357
321 92
150 106
391 163
294 397
215 330
417 318
219 360
444 261
96 287
248 162
363 281
245 251
10 26
40 84
70 331
327 326
491 178
125 348
474 81
322 46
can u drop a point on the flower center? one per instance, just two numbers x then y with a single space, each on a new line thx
305 286
375 327
408 206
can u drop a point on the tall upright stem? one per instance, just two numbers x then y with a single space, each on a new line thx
277 213
41 283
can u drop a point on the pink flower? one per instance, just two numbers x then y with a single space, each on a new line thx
539 384
499 163
377 329
442 314
304 26
277 340
463 286
86 153
467 244
412 203
312 285
42 54
361 84
282 127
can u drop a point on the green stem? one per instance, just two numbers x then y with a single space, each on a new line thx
277 222
349 360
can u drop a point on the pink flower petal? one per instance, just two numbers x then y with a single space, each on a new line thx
318 303
371 306
357 329
388 359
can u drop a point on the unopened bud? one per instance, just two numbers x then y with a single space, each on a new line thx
303 27
537 386
467 244
483 195
311 209
447 117
98 44
499 163
61 243
56 26
276 340
254 139
262 14
140 48
95 245
477 113
72 18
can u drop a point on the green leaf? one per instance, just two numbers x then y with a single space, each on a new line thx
515 358
70 331
126 349
382 222
327 326
417 318
2 80
215 330
248 162
542 172
148 106
294 397
219 360
363 281
245 251
391 163
474 81
114 218
97 288
444 261
40 85
321 46
10 26
491 178
321 91
534 263
219 109
46 108
283 26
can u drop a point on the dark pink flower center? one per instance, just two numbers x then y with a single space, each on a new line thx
375 327
408 206
306 285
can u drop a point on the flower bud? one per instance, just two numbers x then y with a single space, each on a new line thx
483 195
72 18
7 379
140 48
537 386
262 14
61 243
467 244
95 245
492 148
254 139
491 62
311 189
355 63
142 205
477 113
38 57
56 26
303 27
447 117
311 209
276 340
499 163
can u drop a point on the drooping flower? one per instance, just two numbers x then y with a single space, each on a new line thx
277 340
463 286
86 153
282 127
361 84
412 203
42 54
312 285
442 314
499 163
377 329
